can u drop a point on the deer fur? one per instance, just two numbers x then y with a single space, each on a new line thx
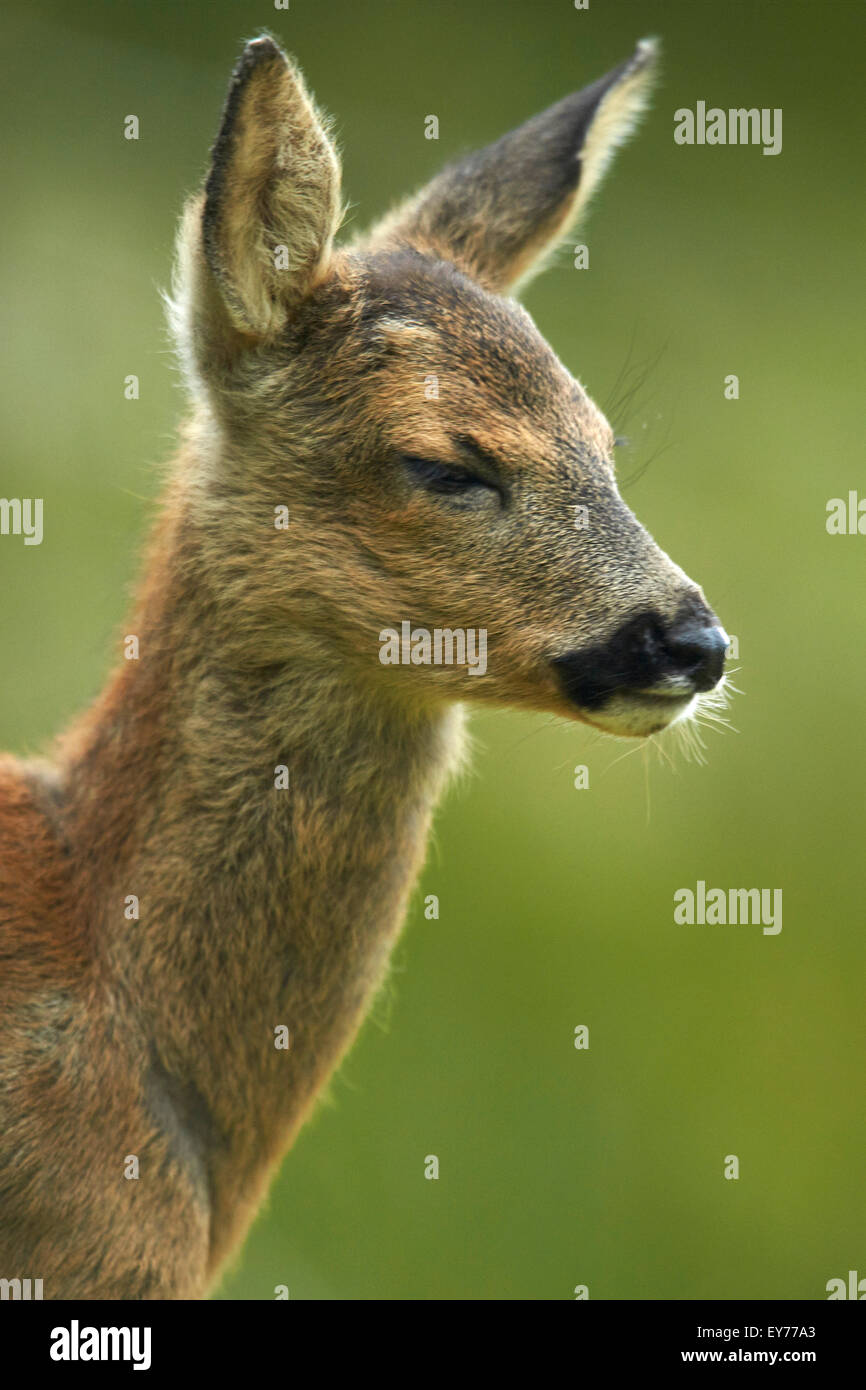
263 906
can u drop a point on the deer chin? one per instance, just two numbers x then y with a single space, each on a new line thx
638 714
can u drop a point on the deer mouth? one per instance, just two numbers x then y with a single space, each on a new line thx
649 673
638 713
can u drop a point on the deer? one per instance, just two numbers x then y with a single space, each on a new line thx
222 849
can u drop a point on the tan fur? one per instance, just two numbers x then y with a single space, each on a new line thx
259 648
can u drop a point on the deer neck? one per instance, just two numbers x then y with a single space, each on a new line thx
267 825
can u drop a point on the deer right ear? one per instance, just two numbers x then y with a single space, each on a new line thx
497 213
260 236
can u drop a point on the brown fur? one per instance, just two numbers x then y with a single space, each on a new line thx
259 647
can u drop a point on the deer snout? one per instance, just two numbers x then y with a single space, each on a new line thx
648 656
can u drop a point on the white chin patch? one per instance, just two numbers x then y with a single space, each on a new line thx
687 710
639 716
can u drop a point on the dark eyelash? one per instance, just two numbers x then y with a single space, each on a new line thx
444 479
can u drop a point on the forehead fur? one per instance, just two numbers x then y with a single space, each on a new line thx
423 316
492 338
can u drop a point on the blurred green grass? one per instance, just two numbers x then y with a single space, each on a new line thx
557 1167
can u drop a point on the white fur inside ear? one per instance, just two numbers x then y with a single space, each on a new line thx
616 118
618 113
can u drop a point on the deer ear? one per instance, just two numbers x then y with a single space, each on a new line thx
496 213
260 236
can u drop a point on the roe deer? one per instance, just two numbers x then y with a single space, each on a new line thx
150 1040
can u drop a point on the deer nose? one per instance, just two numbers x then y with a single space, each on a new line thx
648 656
684 655
696 650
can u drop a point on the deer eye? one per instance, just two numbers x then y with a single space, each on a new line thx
445 479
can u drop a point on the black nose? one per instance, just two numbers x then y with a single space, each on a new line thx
647 654
697 649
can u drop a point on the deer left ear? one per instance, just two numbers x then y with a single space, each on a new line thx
496 213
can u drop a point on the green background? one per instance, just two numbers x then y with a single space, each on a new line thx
558 1167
